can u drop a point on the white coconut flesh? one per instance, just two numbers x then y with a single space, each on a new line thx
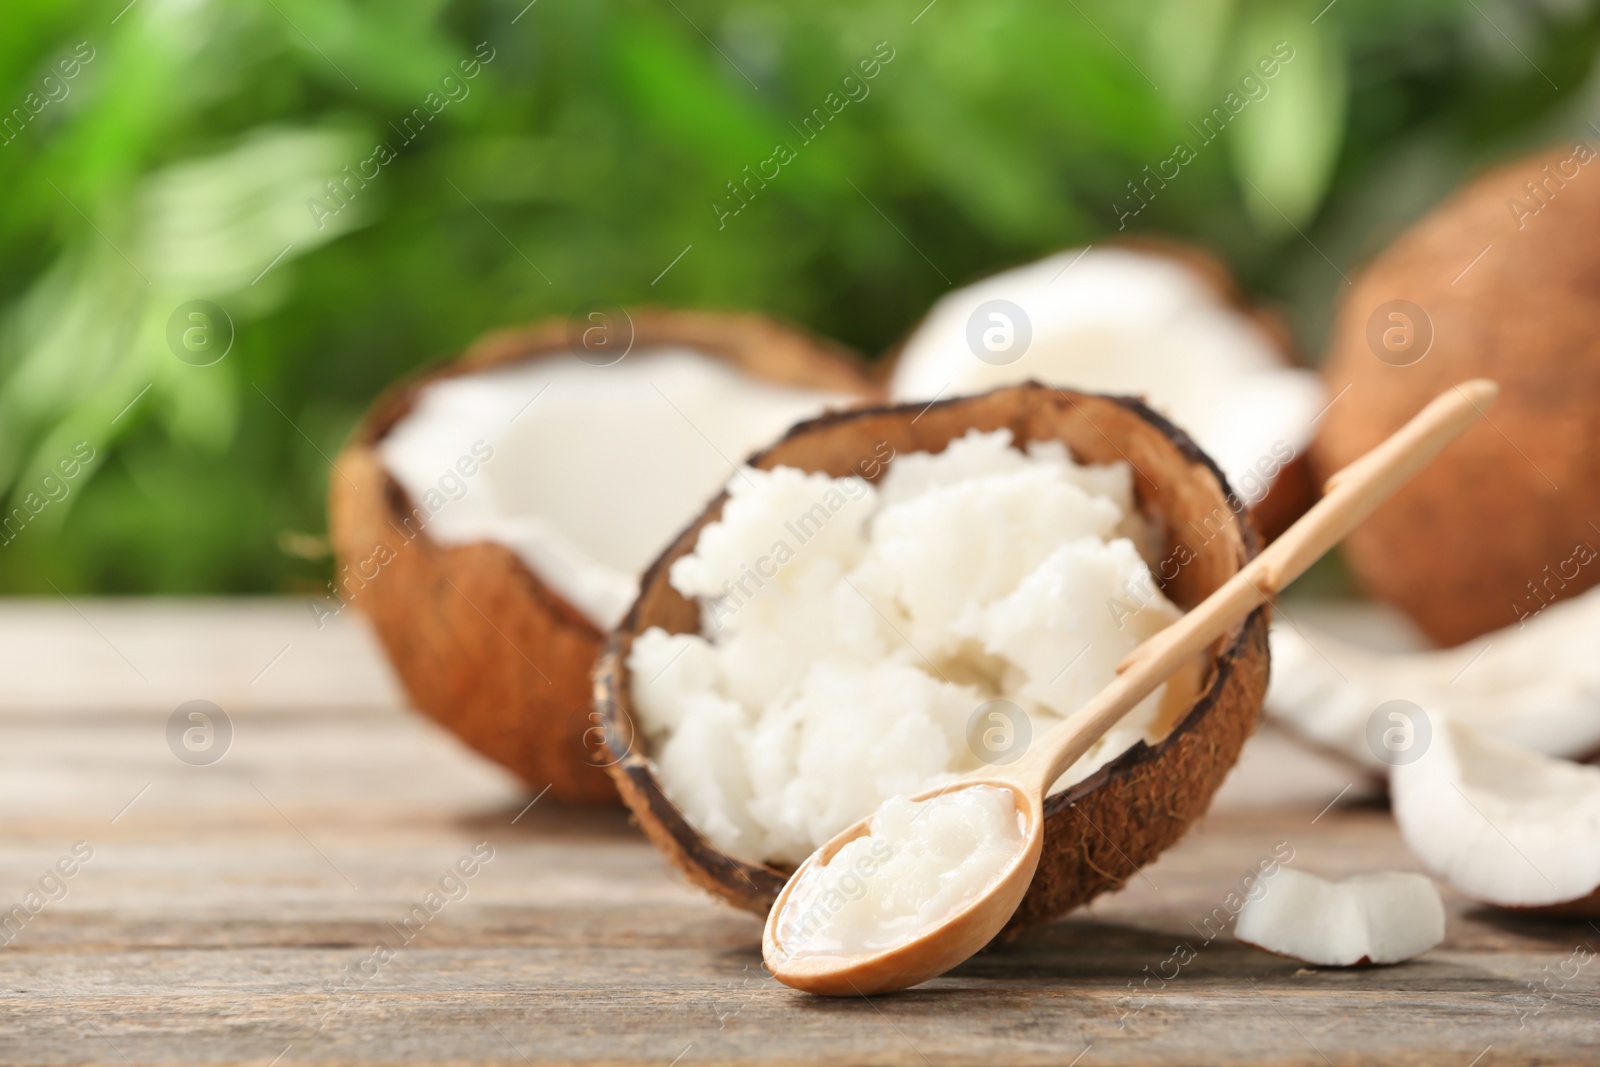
1535 684
1386 917
593 470
1501 824
862 641
1114 320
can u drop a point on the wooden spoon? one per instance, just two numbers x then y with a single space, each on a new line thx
1349 496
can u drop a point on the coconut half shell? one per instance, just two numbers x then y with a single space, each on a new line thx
1100 831
1499 282
1292 491
479 641
1138 267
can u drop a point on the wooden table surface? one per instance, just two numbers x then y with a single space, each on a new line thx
233 912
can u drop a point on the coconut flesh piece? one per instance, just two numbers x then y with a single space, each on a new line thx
593 468
853 633
1501 824
1116 320
1535 685
1385 917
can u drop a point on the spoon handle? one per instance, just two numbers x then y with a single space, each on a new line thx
1350 495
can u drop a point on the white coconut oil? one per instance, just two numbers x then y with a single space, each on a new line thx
919 864
866 639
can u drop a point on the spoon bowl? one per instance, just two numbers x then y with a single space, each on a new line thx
962 933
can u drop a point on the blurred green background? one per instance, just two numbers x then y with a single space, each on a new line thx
184 158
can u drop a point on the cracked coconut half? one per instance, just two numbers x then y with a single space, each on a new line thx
1163 322
492 517
890 597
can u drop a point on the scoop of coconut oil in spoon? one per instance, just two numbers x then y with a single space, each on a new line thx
918 865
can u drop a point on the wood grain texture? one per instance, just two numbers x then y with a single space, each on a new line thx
225 910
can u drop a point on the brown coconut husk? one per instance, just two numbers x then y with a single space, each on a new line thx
1101 830
479 641
1511 294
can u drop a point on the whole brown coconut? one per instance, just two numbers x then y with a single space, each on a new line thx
1502 282
1100 831
479 641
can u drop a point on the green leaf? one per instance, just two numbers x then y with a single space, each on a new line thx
1285 140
